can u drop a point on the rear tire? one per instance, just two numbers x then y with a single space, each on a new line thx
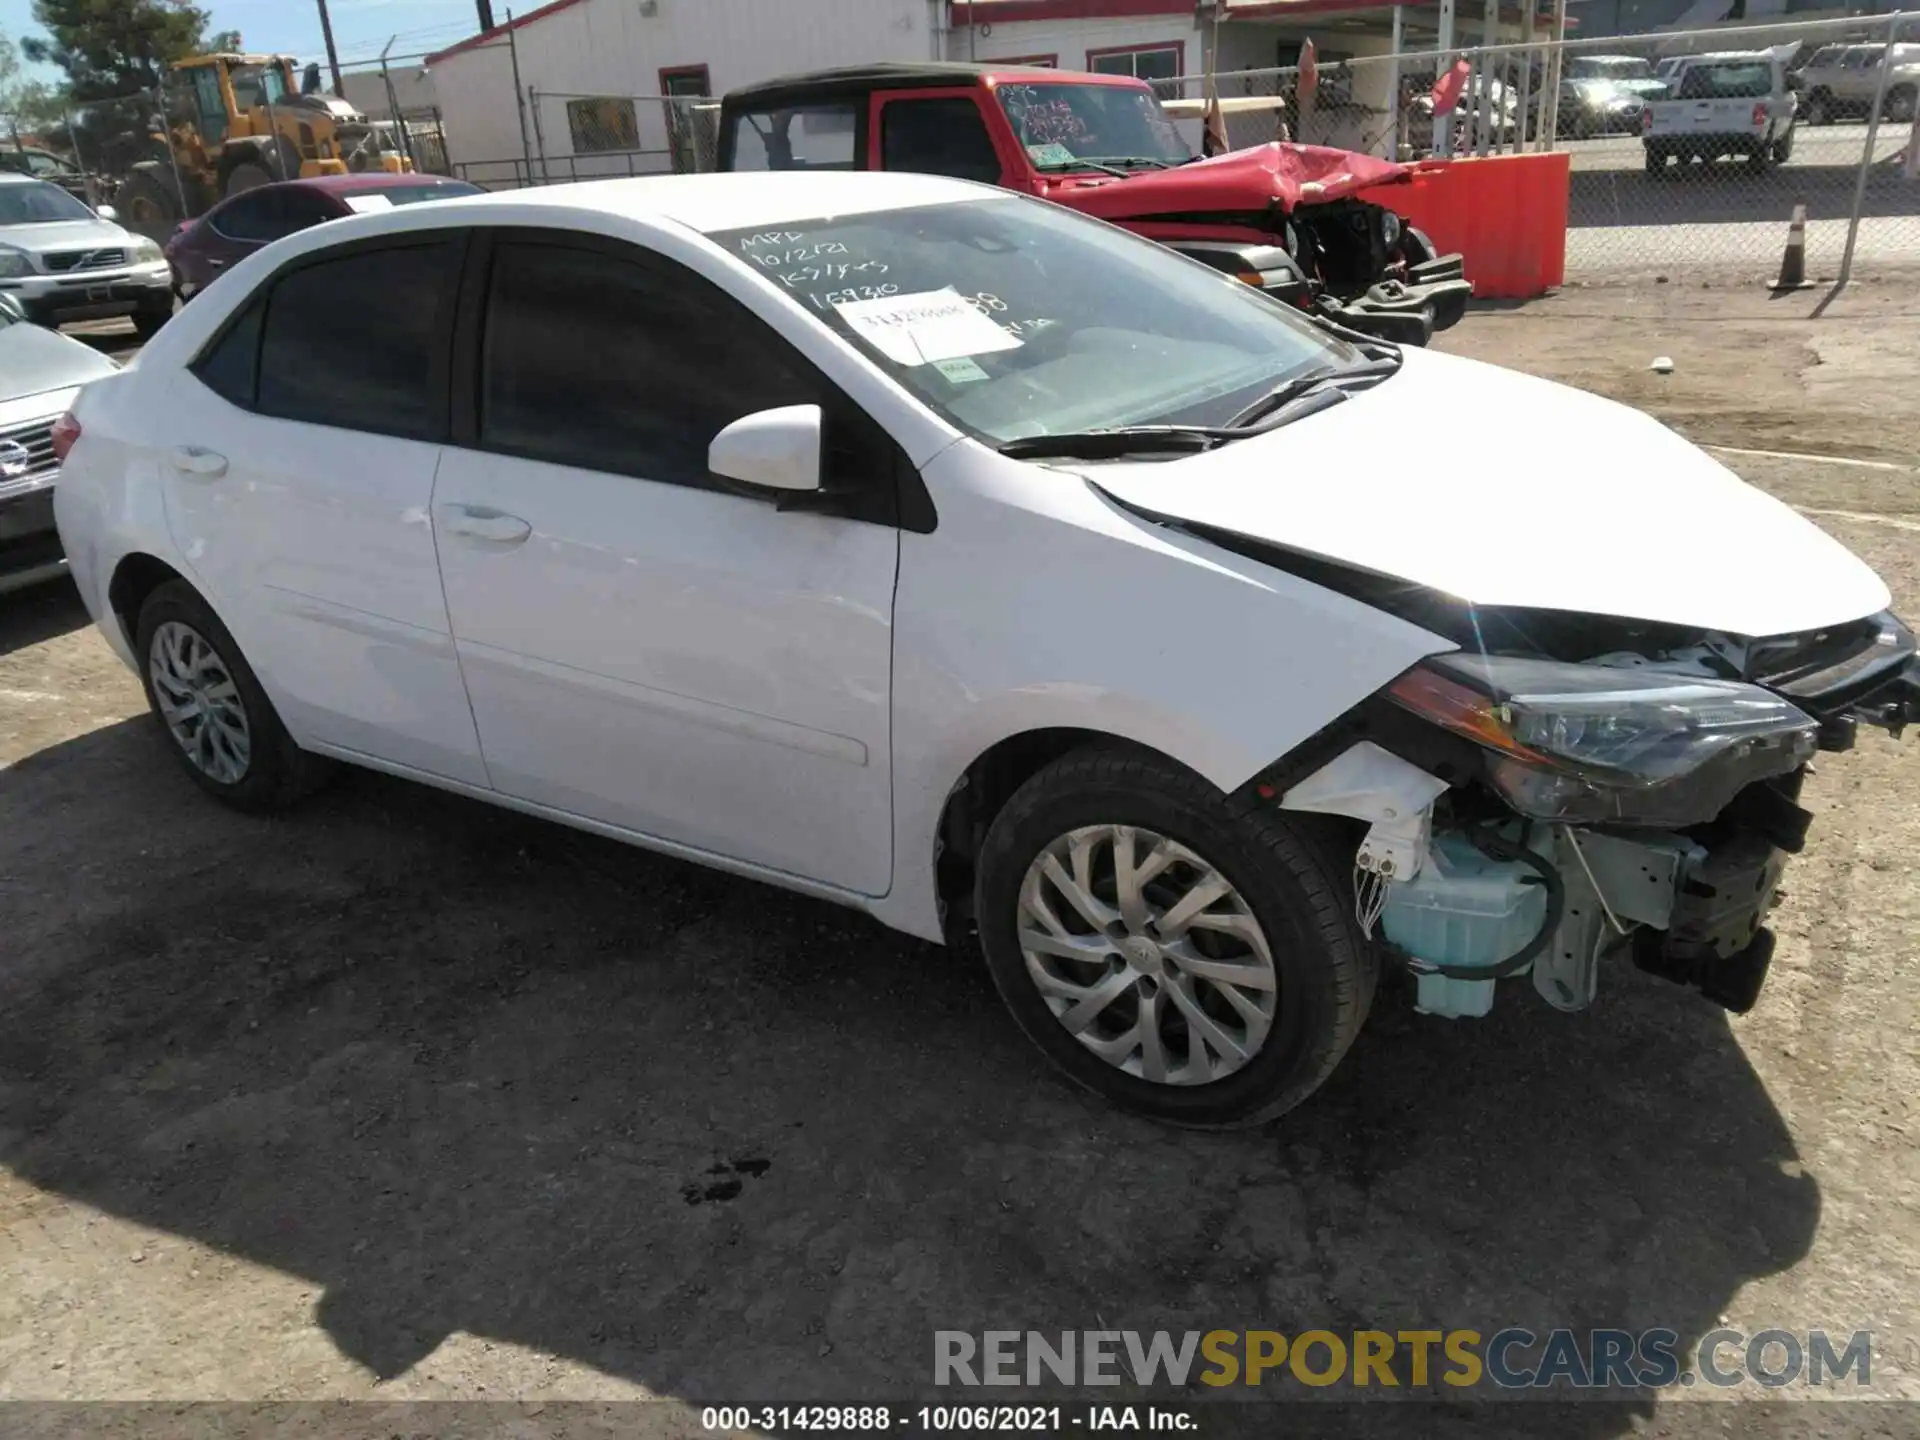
1279 933
1900 105
1819 108
1656 164
148 207
211 709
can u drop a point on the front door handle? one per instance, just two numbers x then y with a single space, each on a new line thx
487 525
196 463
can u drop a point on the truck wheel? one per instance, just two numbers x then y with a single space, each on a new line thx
1900 104
148 207
1656 164
1193 964
1783 148
1819 108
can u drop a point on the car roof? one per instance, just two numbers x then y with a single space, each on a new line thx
862 79
703 202
352 184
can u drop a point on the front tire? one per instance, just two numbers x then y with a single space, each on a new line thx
1900 105
209 704
1193 964
147 323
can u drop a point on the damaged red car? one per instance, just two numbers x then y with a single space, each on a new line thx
1302 222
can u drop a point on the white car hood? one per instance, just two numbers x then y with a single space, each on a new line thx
1506 490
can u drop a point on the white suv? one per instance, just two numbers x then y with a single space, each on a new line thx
63 261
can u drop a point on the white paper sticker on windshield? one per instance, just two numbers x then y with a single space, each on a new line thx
926 327
365 203
1051 153
962 371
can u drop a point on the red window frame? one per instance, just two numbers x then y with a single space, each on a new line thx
1178 47
681 72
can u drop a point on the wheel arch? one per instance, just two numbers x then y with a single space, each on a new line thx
983 789
136 576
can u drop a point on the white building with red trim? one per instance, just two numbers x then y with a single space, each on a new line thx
572 89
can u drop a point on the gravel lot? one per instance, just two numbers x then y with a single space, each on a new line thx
405 1097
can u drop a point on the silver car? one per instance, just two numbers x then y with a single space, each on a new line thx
63 261
1841 81
40 373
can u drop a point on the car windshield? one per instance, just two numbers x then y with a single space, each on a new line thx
1062 124
1600 67
37 203
258 85
1012 318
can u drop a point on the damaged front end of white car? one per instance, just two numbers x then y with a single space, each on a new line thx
1565 789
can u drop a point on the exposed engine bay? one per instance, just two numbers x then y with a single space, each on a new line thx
1582 788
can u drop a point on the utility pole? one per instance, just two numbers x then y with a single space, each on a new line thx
333 56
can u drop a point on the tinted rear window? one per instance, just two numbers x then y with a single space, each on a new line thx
354 341
1734 81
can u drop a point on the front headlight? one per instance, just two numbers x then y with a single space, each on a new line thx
145 251
1592 743
14 262
1389 228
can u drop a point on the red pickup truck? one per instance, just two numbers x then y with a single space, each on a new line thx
1296 220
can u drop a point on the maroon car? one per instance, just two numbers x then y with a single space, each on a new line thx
239 225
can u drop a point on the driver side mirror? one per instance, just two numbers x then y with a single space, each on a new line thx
772 449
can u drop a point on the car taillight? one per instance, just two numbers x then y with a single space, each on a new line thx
1760 114
1646 119
66 430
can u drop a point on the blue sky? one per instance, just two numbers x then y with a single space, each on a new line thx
360 27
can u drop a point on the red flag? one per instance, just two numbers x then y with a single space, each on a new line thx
1447 91
1309 83
1213 139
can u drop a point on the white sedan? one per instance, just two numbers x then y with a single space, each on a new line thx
958 558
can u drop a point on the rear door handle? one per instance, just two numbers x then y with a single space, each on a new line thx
199 464
487 525
214 262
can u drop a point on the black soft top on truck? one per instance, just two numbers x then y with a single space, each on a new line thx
854 80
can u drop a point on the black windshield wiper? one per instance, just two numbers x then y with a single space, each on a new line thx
1269 406
1119 442
1063 165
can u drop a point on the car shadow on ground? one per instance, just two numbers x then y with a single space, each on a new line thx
466 1071
40 612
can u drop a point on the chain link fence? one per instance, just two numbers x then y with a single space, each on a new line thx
571 136
1689 151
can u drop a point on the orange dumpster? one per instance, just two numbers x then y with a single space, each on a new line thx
1505 214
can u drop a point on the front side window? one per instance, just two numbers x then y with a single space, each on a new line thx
356 341
942 136
596 361
799 137
1060 126
1014 318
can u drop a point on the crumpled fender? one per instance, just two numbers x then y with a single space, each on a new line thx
1241 181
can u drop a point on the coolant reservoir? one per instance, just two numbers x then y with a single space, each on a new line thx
1463 908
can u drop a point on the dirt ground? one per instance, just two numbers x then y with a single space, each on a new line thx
402 1097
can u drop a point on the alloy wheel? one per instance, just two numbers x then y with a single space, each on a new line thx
200 702
1147 955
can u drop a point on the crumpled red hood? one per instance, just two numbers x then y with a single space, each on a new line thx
1239 181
